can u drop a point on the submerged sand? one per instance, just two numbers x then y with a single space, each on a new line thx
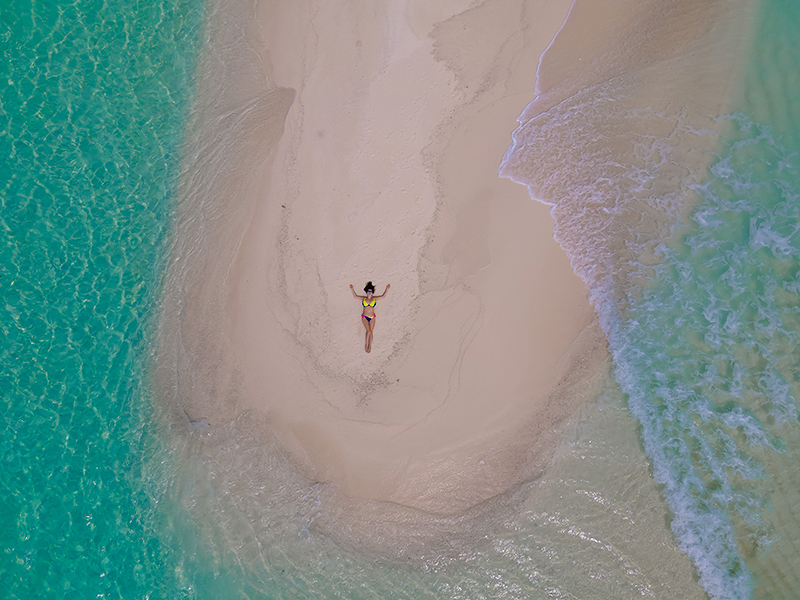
367 148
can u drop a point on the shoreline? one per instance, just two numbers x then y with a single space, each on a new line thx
402 457
425 440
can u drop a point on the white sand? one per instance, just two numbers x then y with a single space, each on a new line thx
387 171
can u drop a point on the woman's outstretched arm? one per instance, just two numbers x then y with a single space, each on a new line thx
352 289
388 285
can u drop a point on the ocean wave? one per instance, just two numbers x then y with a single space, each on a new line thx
695 283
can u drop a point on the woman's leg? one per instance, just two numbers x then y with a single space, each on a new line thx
367 335
370 329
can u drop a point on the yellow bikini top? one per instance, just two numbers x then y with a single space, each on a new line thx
365 303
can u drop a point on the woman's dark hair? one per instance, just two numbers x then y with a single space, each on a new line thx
369 288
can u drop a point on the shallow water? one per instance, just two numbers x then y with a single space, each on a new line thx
702 317
700 300
708 358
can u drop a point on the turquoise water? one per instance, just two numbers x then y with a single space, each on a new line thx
708 357
709 353
93 97
701 307
97 503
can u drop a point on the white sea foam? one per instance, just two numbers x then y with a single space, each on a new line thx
701 347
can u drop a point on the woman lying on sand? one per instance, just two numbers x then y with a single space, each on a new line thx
368 314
